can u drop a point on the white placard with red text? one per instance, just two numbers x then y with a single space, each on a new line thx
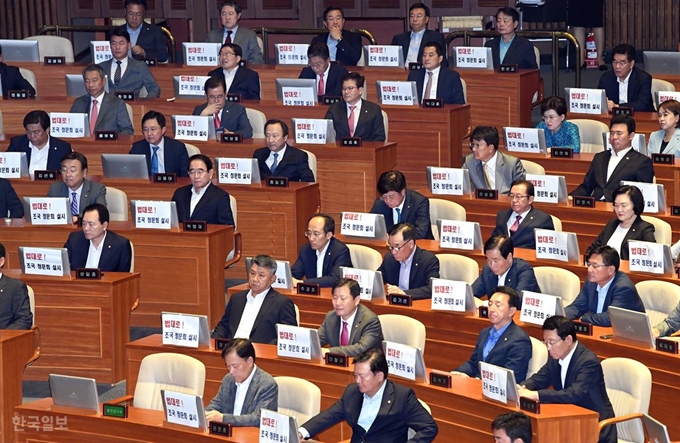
448 295
494 382
401 359
646 257
546 187
293 96
384 55
552 245
274 427
43 261
396 93
101 51
458 234
293 342
536 307
310 130
668 95
471 57
447 181
585 101
201 54
651 193
358 224
181 409
365 278
180 330
191 127
522 140
68 125
50 211
237 171
292 54
192 85
153 214
10 164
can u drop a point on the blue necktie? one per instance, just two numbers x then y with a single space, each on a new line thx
154 160
74 203
276 163
398 214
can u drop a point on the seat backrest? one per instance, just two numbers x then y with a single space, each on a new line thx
557 281
590 133
54 46
143 93
117 204
458 267
464 85
30 77
403 329
662 229
537 53
297 314
171 371
192 150
261 45
557 223
364 257
132 261
533 167
441 209
539 357
31 301
234 213
298 398
660 85
629 387
362 59
412 432
257 120
129 111
659 298
311 159
386 123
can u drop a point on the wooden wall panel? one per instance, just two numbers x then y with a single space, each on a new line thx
23 18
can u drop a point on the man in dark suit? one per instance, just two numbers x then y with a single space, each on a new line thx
201 200
622 162
583 382
237 79
230 117
413 42
350 328
163 154
355 117
147 39
407 269
232 32
278 159
625 84
320 259
344 46
10 205
441 83
15 309
397 407
262 391
509 48
502 269
80 191
513 427
605 278
106 111
127 74
43 152
97 247
522 218
254 314
490 168
503 343
12 80
328 75
399 204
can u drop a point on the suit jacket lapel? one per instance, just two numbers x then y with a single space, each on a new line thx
510 278
386 403
238 78
355 326
204 198
266 304
84 195
500 165
343 117
414 267
619 166
106 250
3 281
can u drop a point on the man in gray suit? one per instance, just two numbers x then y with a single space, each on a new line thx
489 168
106 111
231 32
125 73
245 391
15 309
350 328
81 193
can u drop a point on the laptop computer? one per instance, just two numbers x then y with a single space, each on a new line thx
125 166
631 325
656 431
20 50
661 62
76 392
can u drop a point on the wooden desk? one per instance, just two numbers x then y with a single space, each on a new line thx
17 349
84 324
461 413
180 271
141 426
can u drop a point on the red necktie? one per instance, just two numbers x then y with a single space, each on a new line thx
94 113
227 41
515 226
350 120
322 86
344 335
217 120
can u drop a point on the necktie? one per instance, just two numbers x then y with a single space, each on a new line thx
93 116
322 86
486 174
218 122
117 75
515 226
350 120
154 160
344 335
227 41
276 163
428 87
398 214
74 203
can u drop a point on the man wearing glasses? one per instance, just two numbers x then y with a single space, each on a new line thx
606 286
201 200
147 40
229 117
398 204
231 32
328 75
320 260
625 84
522 218
407 269
574 372
237 79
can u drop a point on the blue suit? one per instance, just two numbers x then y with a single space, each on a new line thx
639 89
520 277
333 83
424 267
449 86
246 82
151 39
349 48
621 293
232 118
214 207
520 53
294 165
137 76
57 150
337 255
416 210
524 236
175 157
9 201
511 351
12 80
404 40
116 253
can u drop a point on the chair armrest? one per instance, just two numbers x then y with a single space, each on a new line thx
135 305
123 399
238 244
541 92
675 334
37 351
621 419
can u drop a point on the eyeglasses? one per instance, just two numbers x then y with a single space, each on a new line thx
550 117
225 53
349 88
150 129
310 234
517 196
550 344
595 266
397 248
390 197
620 63
474 146
317 65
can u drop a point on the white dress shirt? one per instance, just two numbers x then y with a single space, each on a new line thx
99 103
325 79
320 255
95 253
114 66
513 217
350 323
38 157
564 363
503 276
395 215
229 77
615 159
491 167
250 311
617 237
196 197
623 88
270 160
241 390
435 79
